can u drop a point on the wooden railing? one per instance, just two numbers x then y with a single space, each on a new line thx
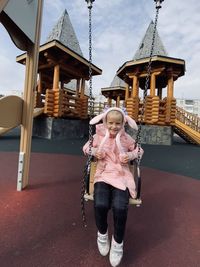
189 119
98 107
58 103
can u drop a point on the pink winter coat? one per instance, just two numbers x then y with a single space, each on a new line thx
109 169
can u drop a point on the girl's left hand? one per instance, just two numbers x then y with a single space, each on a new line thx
124 158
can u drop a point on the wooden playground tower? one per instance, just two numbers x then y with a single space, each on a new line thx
57 66
153 108
164 71
23 23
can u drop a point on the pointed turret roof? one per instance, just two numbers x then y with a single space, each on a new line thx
145 45
63 31
116 88
117 82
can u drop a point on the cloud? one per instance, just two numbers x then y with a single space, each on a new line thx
117 29
12 74
179 32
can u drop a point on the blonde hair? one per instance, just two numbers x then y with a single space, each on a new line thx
115 112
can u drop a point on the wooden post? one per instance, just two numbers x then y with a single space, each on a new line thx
170 87
78 82
3 4
82 88
160 93
134 92
118 101
62 85
109 102
40 83
127 92
153 84
56 77
27 116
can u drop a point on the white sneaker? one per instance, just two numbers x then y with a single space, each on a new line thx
103 243
116 253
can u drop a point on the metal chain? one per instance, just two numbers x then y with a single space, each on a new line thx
138 137
91 104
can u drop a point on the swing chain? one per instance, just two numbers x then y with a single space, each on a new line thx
91 104
89 2
138 137
158 3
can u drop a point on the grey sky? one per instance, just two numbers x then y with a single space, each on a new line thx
118 27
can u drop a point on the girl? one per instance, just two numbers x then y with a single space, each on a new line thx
113 181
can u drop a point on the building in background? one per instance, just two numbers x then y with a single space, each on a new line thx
190 105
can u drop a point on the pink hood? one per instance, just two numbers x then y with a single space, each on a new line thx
102 130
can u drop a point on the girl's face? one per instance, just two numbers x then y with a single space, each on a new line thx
114 122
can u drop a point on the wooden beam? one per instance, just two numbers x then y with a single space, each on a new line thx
39 84
170 87
3 4
75 72
56 77
47 65
118 101
135 88
28 107
152 84
78 83
127 92
82 93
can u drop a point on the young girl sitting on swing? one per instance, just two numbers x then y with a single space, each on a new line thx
113 181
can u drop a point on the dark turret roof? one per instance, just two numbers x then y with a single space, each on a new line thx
145 45
63 32
117 82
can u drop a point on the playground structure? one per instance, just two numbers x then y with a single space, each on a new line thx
57 64
23 23
164 71
153 109
16 111
170 194
186 124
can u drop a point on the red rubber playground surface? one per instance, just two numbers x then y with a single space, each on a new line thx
41 226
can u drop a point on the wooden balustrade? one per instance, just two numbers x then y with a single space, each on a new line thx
169 110
39 100
151 113
189 119
132 107
58 103
98 108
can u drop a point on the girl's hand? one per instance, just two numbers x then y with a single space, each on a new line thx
100 155
124 158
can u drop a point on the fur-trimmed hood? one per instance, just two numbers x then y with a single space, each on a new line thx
103 131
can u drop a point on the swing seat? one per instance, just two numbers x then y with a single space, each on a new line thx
89 195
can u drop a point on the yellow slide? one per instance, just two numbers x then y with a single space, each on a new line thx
11 113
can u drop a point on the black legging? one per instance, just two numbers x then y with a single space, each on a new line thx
106 197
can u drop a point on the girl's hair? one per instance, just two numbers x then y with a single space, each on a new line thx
115 112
